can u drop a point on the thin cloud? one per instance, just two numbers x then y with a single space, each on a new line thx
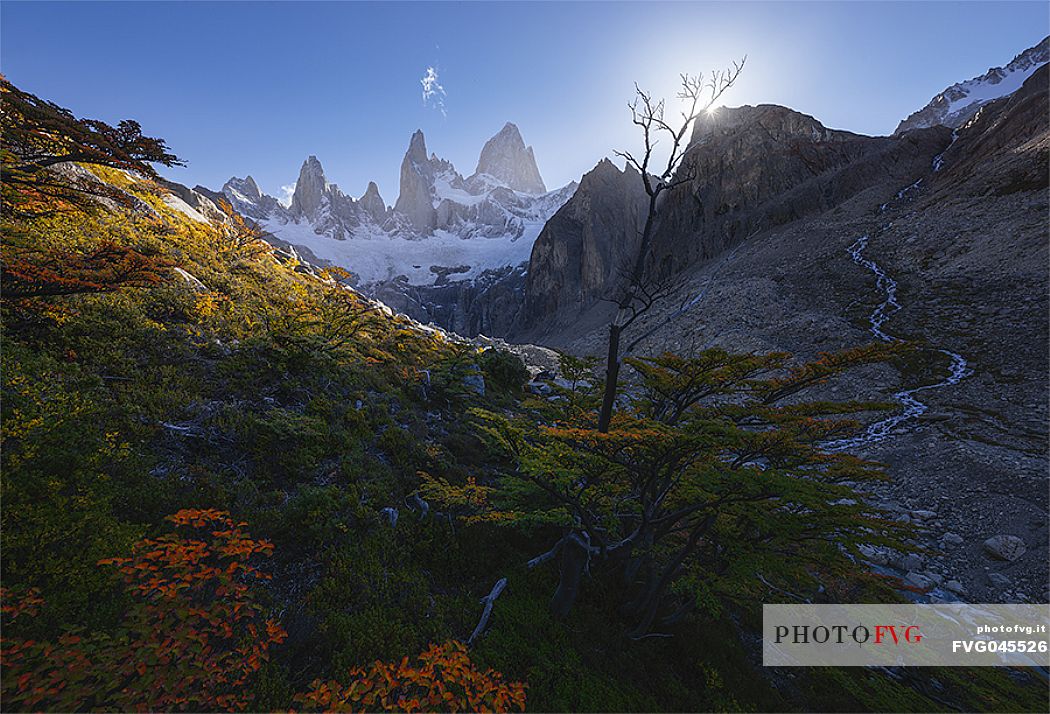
286 198
433 93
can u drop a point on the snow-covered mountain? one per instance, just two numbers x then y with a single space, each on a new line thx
955 105
443 227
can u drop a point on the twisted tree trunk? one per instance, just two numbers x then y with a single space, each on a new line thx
574 557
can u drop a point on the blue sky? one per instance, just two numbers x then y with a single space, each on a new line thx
249 87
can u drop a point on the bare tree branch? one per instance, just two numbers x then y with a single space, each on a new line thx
699 95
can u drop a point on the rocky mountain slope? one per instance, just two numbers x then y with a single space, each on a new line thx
755 168
580 252
446 240
955 105
957 229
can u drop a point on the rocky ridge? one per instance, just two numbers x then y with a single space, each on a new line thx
754 167
958 103
446 241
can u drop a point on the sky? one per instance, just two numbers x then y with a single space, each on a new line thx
254 88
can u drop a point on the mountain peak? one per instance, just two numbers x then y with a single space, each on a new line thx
955 105
414 199
417 147
372 202
309 188
511 129
251 188
245 189
506 158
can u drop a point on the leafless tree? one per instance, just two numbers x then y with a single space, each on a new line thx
641 291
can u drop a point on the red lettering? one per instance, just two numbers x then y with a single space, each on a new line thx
882 629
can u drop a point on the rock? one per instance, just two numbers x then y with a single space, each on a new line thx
539 388
936 578
880 557
924 515
197 204
1005 547
909 561
956 587
475 383
919 580
191 280
952 539
874 554
998 580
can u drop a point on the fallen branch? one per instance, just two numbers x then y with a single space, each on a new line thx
782 590
487 612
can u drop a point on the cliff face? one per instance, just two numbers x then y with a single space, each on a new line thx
582 248
414 201
491 304
310 188
760 167
755 168
964 250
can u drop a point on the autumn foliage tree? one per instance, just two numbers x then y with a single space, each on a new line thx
29 271
38 136
711 487
331 319
241 237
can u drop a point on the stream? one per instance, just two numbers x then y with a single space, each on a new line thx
958 368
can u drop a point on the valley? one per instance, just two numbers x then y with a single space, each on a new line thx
496 444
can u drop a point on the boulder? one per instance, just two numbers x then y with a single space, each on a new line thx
1005 547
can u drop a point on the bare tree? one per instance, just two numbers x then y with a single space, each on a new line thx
642 291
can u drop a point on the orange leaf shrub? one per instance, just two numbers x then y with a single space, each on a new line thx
192 640
443 680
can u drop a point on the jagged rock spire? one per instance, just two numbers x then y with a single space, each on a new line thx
506 158
414 200
373 203
309 188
